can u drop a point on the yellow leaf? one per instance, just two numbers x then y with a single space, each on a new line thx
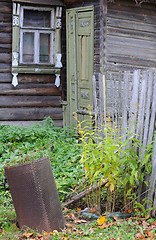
101 220
111 187
78 209
107 184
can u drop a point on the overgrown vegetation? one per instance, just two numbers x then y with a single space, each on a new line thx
89 159
106 156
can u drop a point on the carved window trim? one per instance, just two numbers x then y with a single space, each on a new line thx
54 65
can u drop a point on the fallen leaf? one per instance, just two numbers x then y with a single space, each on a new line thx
80 221
72 216
150 234
128 211
92 210
106 225
101 220
115 218
148 216
139 236
27 235
78 209
39 236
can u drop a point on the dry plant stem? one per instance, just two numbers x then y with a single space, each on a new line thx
135 199
83 194
77 188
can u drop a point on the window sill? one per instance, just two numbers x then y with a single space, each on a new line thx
36 70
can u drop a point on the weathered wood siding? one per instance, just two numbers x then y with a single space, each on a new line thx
130 43
131 35
36 96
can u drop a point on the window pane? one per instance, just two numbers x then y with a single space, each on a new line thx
35 18
44 47
28 47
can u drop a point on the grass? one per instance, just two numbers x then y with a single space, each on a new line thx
19 144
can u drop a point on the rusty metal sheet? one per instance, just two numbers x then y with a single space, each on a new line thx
35 195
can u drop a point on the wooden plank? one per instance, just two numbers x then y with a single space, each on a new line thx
136 61
5 18
123 66
133 16
152 189
130 42
5 38
141 109
130 6
57 123
14 114
140 52
30 101
30 89
148 104
5 27
153 113
134 101
5 48
5 58
36 78
132 33
132 25
5 78
5 8
124 97
45 2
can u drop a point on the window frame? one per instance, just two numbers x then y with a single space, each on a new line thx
36 67
37 31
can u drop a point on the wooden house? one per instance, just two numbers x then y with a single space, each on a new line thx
56 55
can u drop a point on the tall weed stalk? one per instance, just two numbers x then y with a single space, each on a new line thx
106 156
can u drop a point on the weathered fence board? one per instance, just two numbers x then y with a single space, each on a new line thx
133 107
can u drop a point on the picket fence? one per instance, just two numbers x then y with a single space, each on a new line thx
131 103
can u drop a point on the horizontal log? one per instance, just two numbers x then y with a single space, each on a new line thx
138 26
20 114
5 8
133 16
110 66
5 58
5 29
36 78
84 193
148 9
46 2
5 48
131 60
130 42
5 38
30 101
130 33
57 123
139 52
5 67
30 89
5 77
5 18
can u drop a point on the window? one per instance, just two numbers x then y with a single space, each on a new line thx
36 36
36 40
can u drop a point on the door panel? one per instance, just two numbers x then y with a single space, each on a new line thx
79 60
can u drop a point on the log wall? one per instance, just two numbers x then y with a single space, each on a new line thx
36 96
131 35
130 42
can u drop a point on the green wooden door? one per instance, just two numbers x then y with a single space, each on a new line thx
79 61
